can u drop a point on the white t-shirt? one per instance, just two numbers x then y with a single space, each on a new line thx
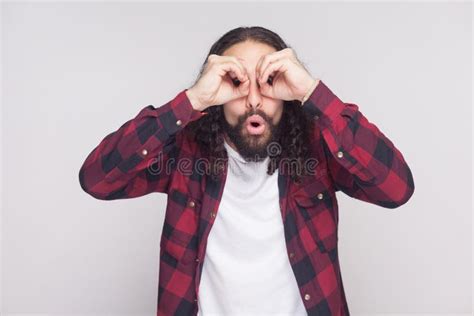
246 270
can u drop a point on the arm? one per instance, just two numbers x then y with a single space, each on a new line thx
130 162
362 161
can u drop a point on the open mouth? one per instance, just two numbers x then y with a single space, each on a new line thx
255 125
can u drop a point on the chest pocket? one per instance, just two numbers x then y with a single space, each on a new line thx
179 240
316 202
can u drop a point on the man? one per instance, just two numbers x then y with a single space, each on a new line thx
238 237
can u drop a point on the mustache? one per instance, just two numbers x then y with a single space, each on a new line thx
265 117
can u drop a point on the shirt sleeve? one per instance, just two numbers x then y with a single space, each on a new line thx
131 161
362 161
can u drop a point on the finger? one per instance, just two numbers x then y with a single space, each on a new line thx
257 68
269 58
241 66
233 70
232 75
277 66
232 59
244 88
268 91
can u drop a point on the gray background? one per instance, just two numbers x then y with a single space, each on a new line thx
72 73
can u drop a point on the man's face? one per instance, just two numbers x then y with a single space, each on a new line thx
242 115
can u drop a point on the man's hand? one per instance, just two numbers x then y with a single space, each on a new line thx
281 76
218 83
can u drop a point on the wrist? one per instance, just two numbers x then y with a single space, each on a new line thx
311 87
196 104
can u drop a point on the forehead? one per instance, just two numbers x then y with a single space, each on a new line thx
249 52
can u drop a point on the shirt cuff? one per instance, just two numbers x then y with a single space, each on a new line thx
324 105
179 114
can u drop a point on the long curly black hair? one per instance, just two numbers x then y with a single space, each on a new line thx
296 129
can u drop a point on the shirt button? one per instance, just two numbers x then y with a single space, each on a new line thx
192 204
340 154
292 254
195 300
320 196
144 152
178 122
316 117
307 297
213 214
197 259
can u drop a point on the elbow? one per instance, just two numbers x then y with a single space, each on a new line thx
88 188
398 203
409 190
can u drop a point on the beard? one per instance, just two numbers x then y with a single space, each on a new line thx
253 147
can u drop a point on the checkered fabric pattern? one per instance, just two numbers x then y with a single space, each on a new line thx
154 153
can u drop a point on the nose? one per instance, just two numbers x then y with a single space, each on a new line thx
254 98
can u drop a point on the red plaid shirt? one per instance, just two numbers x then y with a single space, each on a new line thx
153 153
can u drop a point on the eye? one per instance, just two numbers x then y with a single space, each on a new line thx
236 82
270 80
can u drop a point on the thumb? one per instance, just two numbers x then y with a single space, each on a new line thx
267 90
244 88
